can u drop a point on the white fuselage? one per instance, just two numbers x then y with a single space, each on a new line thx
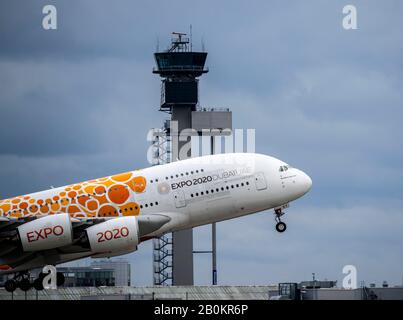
214 188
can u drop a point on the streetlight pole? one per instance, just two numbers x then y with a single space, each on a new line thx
314 285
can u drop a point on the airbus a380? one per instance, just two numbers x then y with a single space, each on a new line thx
111 216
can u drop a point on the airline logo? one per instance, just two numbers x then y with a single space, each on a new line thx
44 233
209 178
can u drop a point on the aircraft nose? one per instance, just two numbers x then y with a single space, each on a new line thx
305 181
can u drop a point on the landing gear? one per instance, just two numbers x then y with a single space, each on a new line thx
60 279
280 226
10 285
38 284
25 284
22 281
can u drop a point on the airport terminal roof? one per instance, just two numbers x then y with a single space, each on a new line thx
148 293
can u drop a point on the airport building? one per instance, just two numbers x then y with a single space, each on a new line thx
284 291
88 276
120 268
105 272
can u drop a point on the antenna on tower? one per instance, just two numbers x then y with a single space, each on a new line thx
191 41
202 44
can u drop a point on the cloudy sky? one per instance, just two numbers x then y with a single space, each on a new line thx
76 103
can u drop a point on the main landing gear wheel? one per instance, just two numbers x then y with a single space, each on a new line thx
10 285
281 226
21 280
38 284
25 284
60 279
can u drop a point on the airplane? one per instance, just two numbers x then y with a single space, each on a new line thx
111 216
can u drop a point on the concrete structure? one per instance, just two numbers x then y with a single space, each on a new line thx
179 68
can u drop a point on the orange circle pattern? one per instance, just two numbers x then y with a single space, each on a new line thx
111 196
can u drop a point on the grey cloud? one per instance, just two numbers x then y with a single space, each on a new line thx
60 108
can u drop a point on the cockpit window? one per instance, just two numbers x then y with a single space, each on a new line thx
284 168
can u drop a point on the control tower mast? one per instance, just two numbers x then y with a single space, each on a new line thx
180 67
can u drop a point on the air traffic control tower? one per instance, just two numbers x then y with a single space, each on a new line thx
180 67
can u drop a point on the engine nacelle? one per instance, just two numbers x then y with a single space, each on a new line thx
114 236
45 233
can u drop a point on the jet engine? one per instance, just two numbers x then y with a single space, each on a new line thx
45 233
114 237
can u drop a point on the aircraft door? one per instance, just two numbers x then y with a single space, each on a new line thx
179 198
260 181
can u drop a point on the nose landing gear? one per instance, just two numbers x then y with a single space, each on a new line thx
280 226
